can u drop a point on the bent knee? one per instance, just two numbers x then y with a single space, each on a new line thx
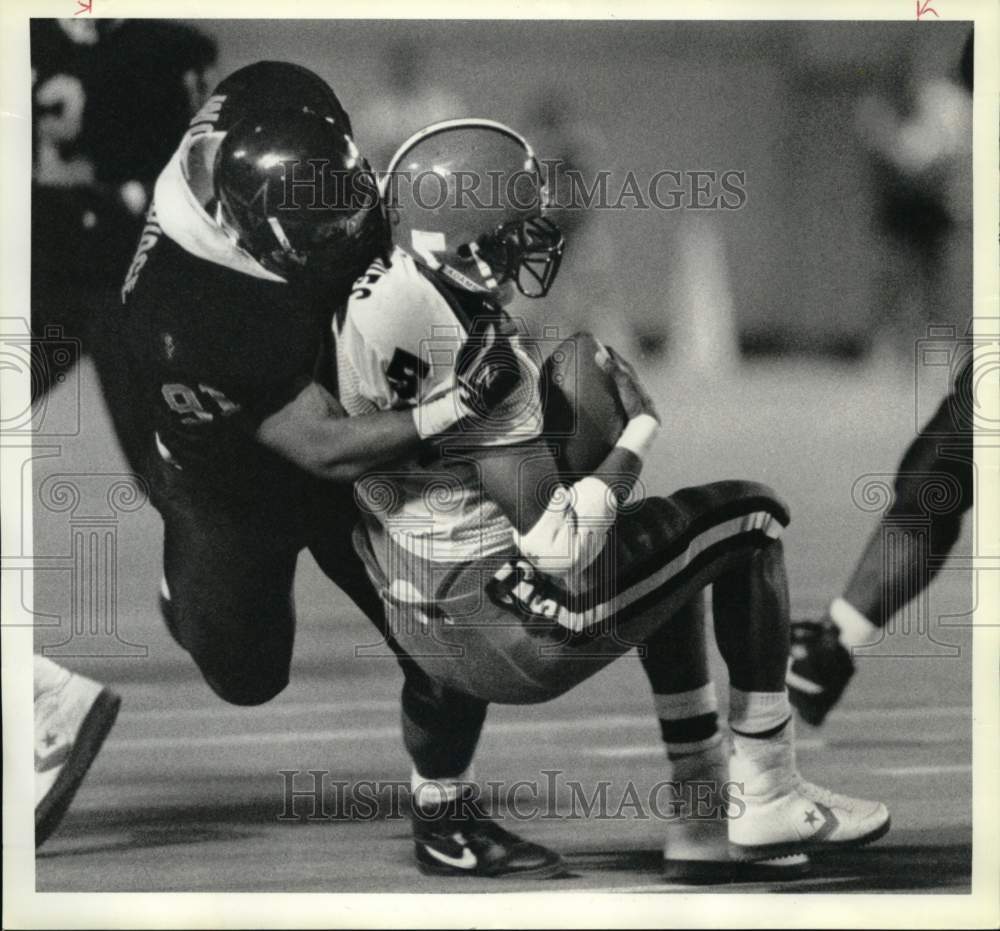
244 690
741 497
739 504
243 680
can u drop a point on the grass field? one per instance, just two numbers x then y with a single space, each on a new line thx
187 793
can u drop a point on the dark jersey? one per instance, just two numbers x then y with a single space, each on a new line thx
108 107
212 352
112 105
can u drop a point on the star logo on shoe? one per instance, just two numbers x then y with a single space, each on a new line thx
57 755
822 820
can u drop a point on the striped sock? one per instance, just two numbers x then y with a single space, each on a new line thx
689 721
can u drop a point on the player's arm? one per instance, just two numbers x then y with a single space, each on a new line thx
564 528
314 431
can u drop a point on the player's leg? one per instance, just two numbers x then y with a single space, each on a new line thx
529 639
663 555
227 596
776 812
453 835
441 729
933 490
696 847
751 620
675 660
73 715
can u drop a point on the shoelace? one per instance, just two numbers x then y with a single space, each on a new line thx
823 796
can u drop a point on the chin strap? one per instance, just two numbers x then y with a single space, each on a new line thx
484 267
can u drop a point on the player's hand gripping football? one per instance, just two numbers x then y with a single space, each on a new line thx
635 398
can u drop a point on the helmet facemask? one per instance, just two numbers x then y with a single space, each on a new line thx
527 252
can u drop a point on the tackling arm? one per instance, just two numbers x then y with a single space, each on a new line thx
314 432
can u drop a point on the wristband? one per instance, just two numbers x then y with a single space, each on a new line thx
438 416
638 435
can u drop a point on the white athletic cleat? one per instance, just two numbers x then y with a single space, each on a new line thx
73 715
696 847
777 812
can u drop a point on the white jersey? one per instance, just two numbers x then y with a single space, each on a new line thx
397 347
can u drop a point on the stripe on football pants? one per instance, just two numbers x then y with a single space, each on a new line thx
756 522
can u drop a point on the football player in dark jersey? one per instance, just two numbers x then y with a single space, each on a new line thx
933 490
260 223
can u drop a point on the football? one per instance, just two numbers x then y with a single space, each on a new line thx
583 413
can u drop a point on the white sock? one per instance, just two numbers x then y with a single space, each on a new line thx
432 793
761 764
757 712
48 676
855 629
764 765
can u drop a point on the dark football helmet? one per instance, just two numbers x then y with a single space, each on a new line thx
266 86
261 88
294 192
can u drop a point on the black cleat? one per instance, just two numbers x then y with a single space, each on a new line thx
458 839
819 668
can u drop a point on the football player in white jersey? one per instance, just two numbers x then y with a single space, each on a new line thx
510 580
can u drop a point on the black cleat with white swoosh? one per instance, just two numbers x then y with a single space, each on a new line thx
458 839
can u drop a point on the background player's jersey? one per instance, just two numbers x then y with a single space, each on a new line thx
110 98
216 343
398 346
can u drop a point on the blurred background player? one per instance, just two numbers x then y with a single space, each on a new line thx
109 96
932 153
919 136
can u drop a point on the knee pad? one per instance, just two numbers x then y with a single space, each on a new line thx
717 501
